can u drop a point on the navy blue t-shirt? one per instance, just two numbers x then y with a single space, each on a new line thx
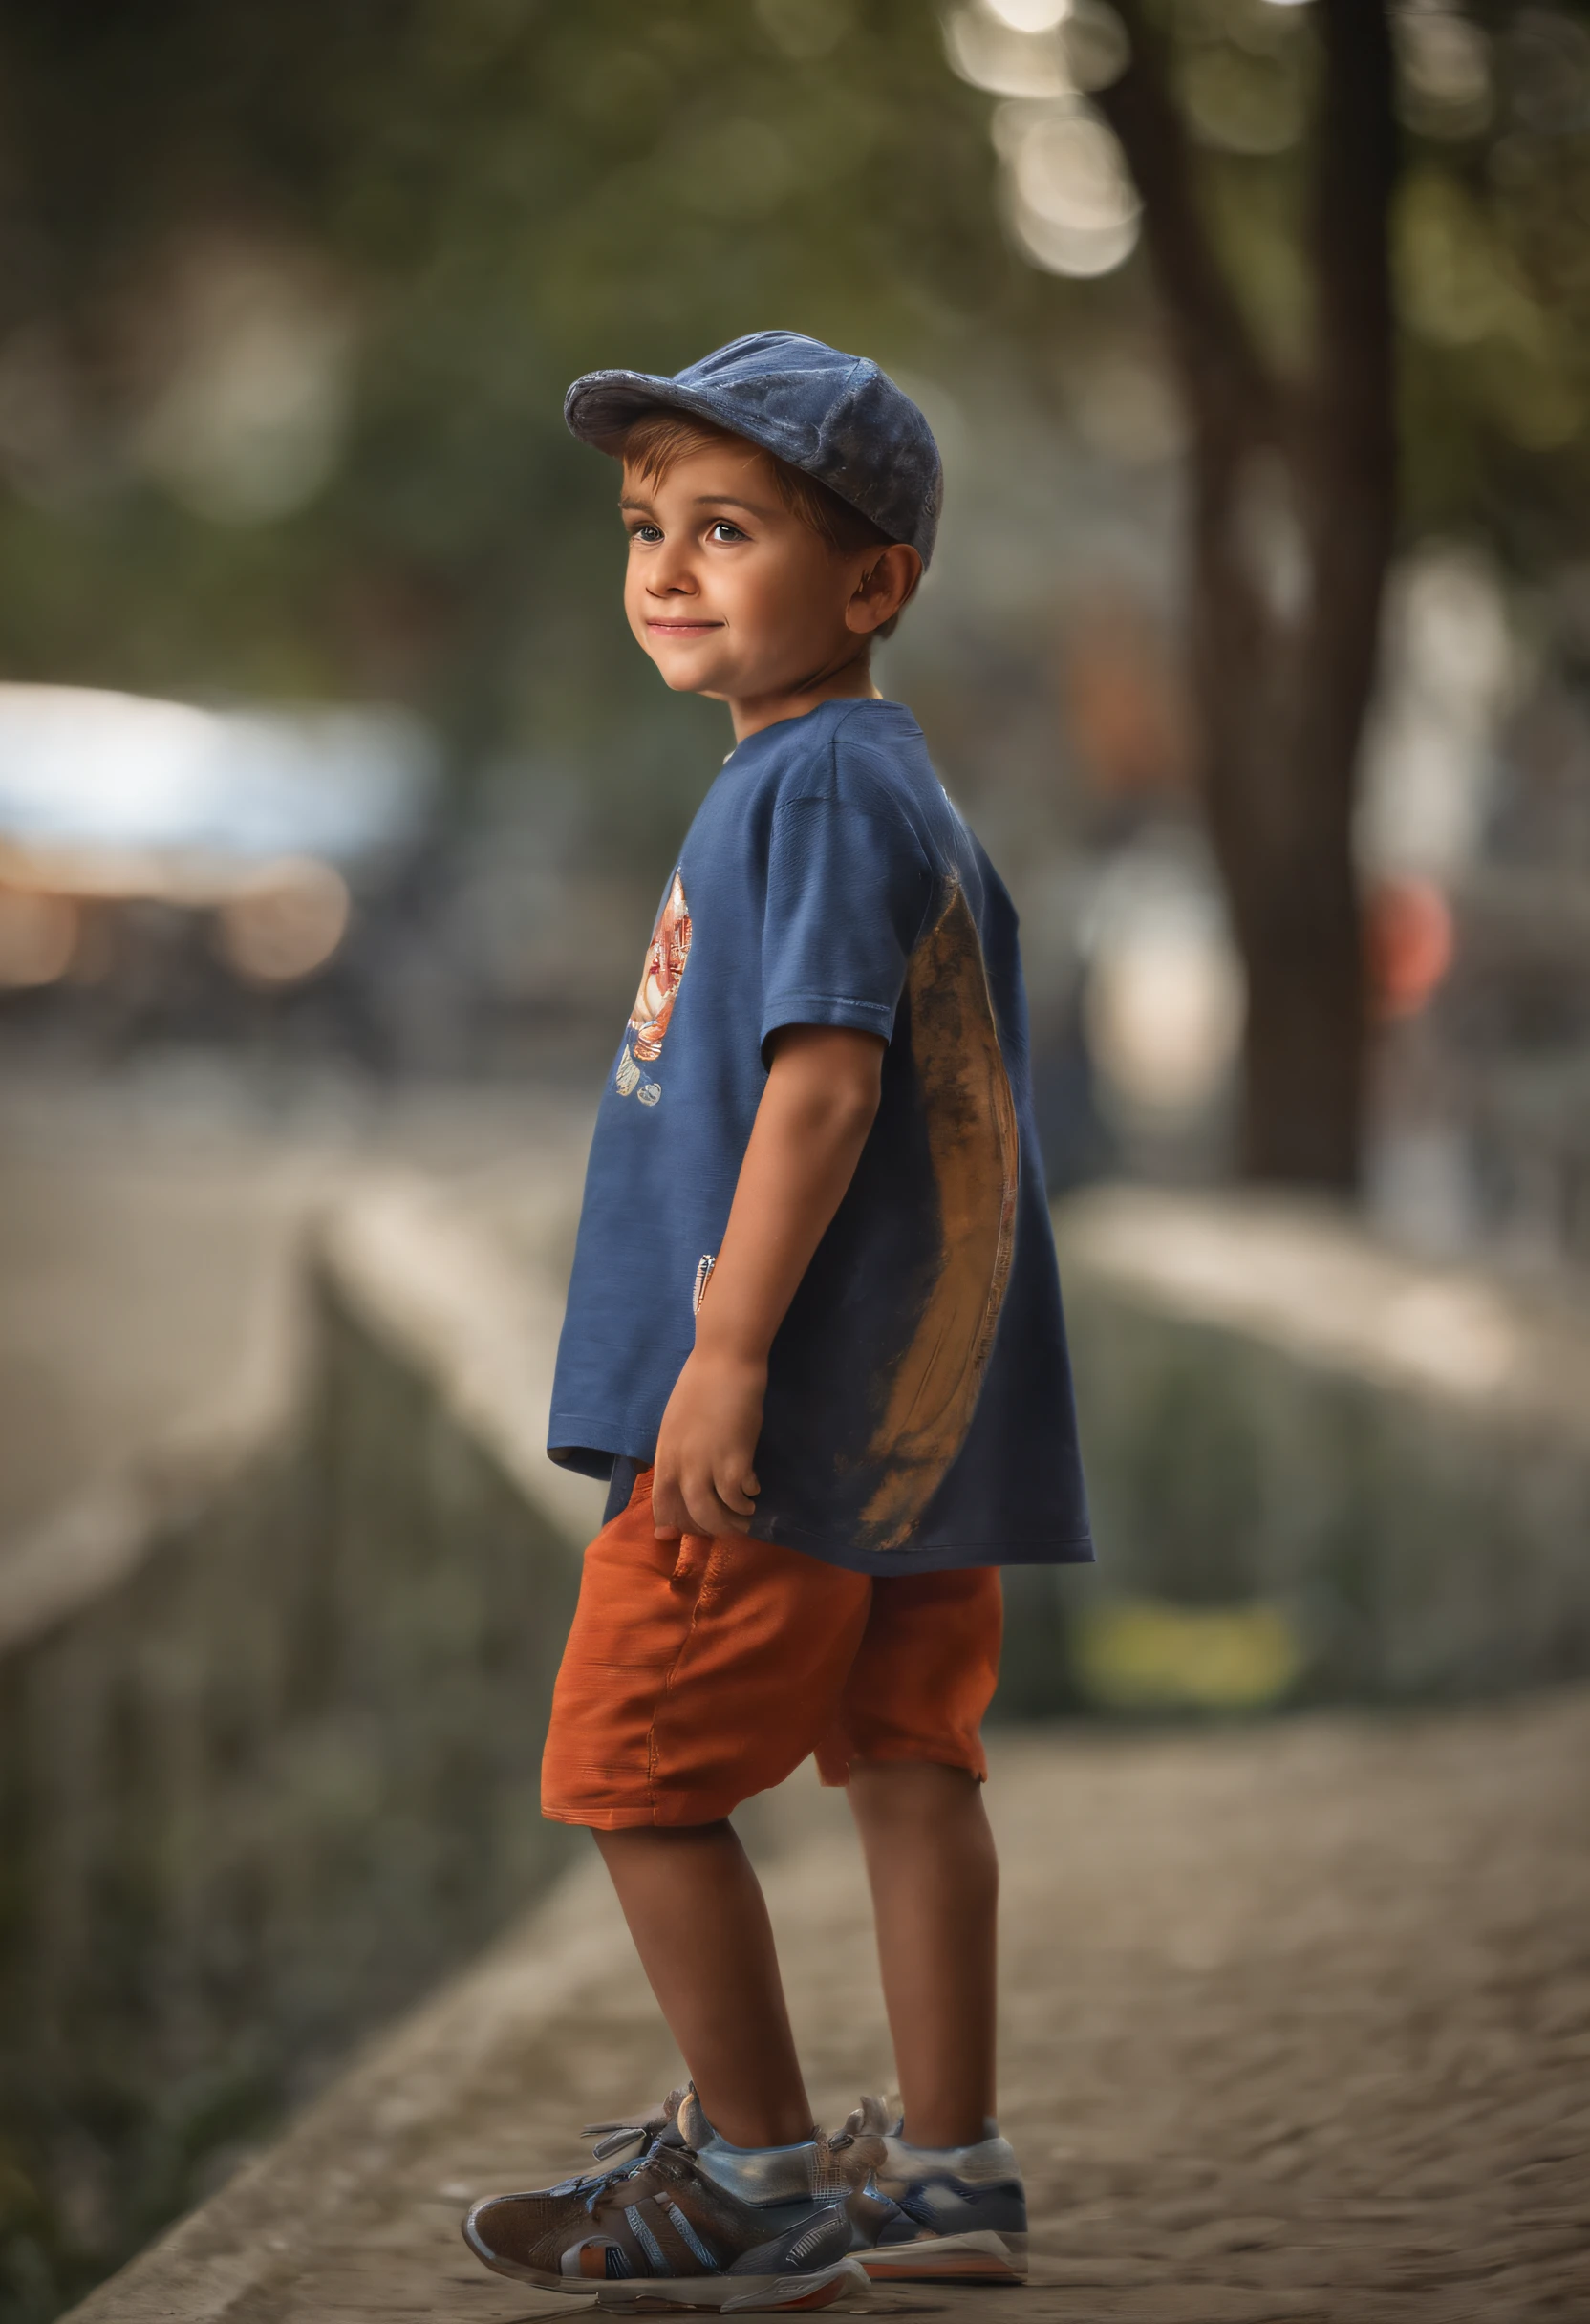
919 1412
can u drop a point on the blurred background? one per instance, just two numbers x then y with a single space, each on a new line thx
326 760
336 799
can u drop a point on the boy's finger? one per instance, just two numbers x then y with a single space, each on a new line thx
735 1497
708 1514
670 1518
711 1517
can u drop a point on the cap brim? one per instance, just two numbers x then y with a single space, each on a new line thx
602 407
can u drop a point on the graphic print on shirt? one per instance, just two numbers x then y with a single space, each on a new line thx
973 1142
666 956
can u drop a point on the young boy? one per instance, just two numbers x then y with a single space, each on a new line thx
814 1337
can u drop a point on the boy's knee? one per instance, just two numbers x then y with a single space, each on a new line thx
618 1837
911 1791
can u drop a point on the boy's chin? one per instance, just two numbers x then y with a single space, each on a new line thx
681 677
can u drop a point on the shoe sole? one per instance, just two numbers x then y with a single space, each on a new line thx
677 2294
733 2294
977 2257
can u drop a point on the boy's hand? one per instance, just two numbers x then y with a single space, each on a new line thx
704 1482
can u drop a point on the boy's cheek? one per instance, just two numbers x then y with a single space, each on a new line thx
639 630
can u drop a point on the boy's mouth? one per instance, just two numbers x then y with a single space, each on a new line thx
682 628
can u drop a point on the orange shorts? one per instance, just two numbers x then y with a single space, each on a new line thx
699 1671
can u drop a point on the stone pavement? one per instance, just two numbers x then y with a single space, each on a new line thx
1298 2027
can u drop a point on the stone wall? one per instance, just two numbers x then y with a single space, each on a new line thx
269 1734
1319 1467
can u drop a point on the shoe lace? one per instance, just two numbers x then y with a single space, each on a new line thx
847 2157
612 2139
609 2192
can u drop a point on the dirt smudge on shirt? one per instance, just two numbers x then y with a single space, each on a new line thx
972 1142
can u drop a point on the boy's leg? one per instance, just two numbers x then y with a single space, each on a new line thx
700 1926
694 1674
698 1672
907 1746
907 1743
935 1882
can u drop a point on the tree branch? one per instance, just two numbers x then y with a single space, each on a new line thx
1356 143
1348 446
1225 377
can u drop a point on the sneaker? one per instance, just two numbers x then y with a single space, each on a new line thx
660 2231
923 2214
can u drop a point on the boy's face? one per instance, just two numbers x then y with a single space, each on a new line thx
730 593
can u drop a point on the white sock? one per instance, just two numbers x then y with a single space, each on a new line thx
760 2174
986 2149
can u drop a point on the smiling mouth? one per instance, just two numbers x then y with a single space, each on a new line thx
684 629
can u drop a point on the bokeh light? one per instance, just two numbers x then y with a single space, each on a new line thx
244 419
1068 197
283 922
38 933
1164 996
1409 941
1444 63
1074 208
988 52
1030 16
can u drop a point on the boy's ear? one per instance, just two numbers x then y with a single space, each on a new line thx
887 585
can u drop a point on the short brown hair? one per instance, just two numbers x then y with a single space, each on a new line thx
658 440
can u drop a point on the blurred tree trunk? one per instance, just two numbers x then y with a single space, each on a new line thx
1293 492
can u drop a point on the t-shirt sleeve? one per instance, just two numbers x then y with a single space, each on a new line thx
847 892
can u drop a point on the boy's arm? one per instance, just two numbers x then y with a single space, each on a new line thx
822 1095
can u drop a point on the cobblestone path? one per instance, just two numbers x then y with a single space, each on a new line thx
1298 2027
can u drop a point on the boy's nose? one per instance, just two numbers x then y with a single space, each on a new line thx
668 574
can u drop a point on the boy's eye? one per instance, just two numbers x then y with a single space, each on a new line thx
645 532
720 530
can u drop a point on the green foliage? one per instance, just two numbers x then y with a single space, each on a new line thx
486 197
464 203
1494 284
1492 242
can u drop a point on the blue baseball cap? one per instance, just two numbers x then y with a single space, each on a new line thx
836 417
